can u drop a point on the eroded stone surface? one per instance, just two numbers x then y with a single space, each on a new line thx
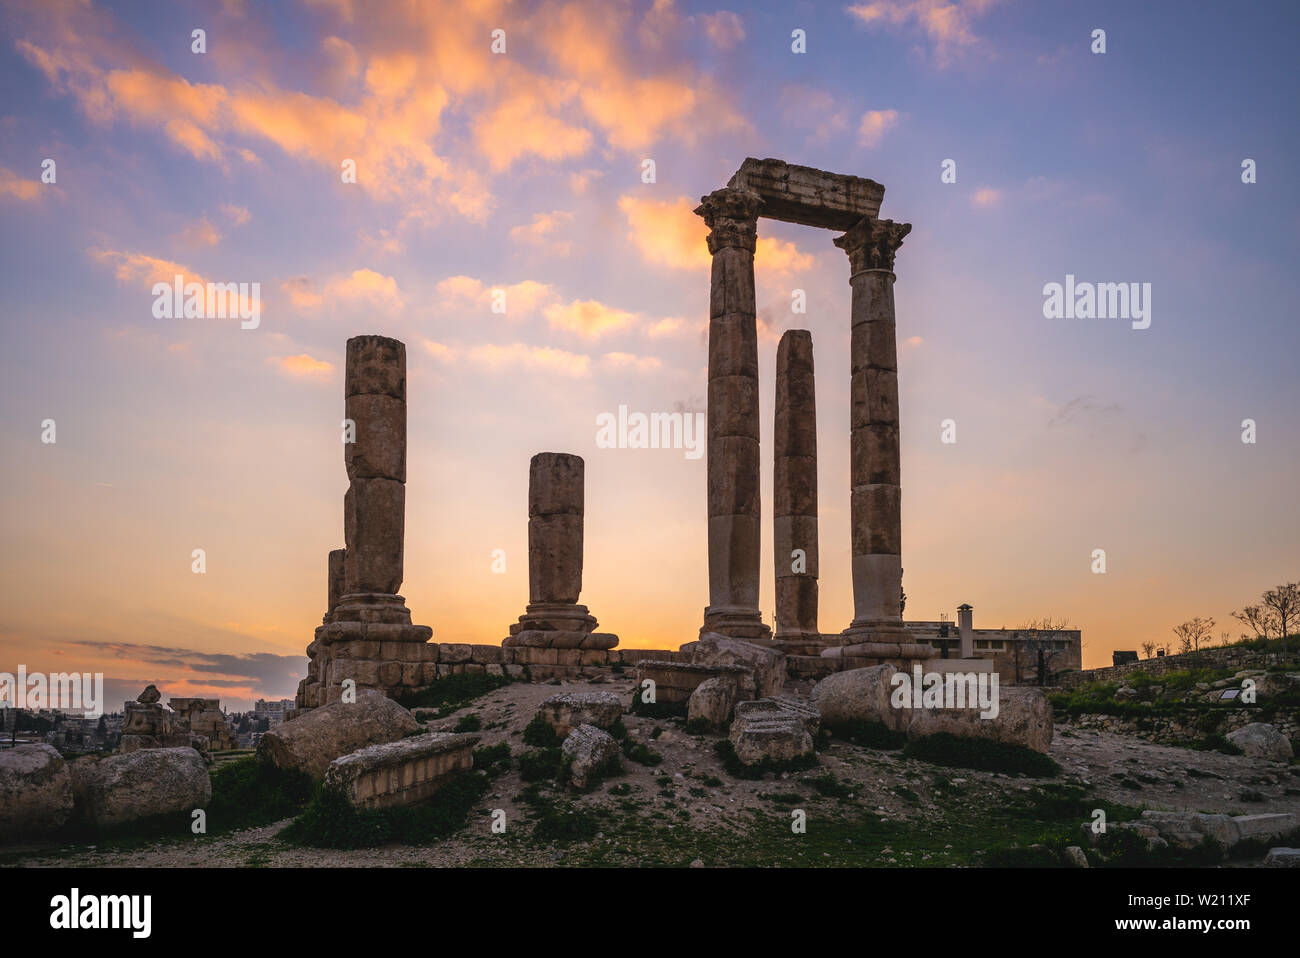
403 772
567 710
141 784
310 742
35 791
590 751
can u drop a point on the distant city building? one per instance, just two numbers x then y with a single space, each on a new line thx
1016 654
273 711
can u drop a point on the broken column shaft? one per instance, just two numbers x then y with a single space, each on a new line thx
794 485
553 618
374 509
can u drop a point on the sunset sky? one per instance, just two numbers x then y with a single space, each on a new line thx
522 171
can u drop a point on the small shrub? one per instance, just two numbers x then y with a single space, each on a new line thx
330 821
452 692
469 723
987 755
540 764
539 733
492 759
640 753
868 734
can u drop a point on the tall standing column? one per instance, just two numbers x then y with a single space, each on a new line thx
794 494
374 509
876 497
733 464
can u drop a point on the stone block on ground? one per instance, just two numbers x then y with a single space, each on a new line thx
1024 718
675 681
567 710
1189 829
35 791
1260 740
766 662
141 784
311 742
403 772
1265 827
589 751
858 694
713 702
765 731
1282 858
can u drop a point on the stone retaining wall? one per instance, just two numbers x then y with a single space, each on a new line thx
1230 657
1183 726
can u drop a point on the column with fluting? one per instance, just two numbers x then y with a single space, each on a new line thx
734 499
876 494
794 495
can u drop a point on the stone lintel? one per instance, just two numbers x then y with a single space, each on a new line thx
809 197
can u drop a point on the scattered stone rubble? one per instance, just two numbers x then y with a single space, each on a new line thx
567 710
404 772
588 751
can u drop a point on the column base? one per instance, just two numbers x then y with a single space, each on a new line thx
801 642
555 617
371 607
736 622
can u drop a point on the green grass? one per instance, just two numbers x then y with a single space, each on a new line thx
247 792
452 692
330 821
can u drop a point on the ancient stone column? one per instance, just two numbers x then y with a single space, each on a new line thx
794 494
553 618
733 464
334 578
875 503
374 509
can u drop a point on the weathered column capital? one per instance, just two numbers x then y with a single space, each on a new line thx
872 243
732 218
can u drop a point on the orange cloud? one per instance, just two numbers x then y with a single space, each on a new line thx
587 317
874 124
986 197
142 268
302 366
202 233
724 28
776 256
11 184
531 357
947 24
301 292
667 232
539 231
631 362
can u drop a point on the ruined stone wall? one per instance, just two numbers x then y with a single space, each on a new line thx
1226 657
